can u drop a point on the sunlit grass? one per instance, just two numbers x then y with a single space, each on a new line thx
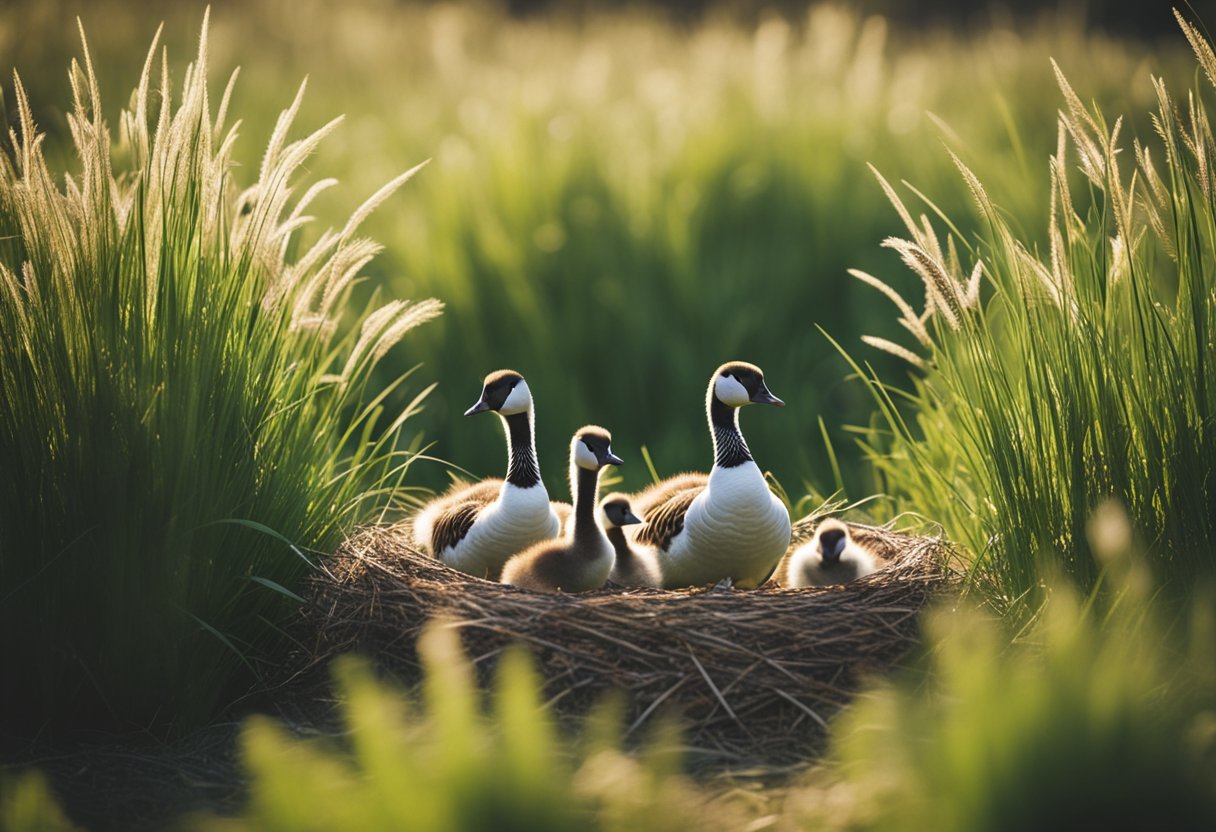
188 405
1080 369
617 204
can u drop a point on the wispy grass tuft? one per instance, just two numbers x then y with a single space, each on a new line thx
1085 373
186 410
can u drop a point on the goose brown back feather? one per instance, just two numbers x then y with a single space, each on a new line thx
666 519
661 491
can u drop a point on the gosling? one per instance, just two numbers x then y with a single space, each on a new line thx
831 557
633 567
584 561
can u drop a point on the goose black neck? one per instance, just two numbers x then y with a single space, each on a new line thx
730 449
586 487
616 536
523 470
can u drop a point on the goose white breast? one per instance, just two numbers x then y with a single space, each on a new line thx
731 526
476 528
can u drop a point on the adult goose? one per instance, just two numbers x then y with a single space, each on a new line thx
831 557
732 526
581 562
475 528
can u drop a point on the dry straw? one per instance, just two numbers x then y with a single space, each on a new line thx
754 675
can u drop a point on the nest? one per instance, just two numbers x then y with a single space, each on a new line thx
753 675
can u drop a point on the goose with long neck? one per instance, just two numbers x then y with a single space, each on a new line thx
632 567
732 526
475 528
582 562
831 557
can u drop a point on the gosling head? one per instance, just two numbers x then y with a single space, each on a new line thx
591 448
617 511
505 392
737 383
833 537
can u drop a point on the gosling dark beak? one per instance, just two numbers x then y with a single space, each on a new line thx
765 396
832 549
630 519
611 459
480 407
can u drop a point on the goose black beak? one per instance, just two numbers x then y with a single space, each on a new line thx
480 407
765 396
630 519
611 459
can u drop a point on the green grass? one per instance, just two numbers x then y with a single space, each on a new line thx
188 405
28 805
1080 370
447 763
617 204
1102 718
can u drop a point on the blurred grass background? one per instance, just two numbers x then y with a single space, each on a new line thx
621 200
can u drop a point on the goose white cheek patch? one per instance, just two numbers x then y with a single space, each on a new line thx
583 457
731 391
519 400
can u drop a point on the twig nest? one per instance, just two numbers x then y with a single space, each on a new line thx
752 674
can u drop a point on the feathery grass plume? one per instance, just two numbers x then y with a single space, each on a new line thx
933 273
1082 127
1203 49
1199 142
953 264
171 445
894 349
1060 268
1159 200
896 202
971 295
1039 411
978 193
908 317
1074 228
928 240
